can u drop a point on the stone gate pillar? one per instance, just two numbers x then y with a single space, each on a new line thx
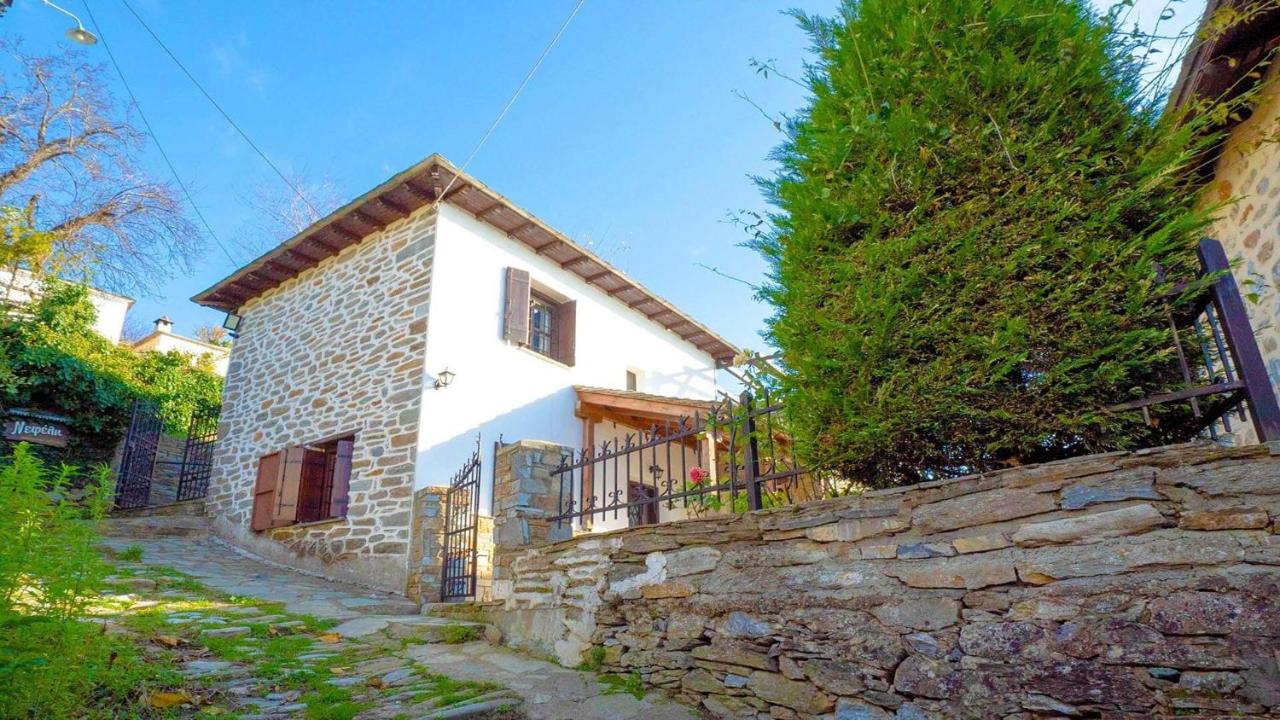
525 495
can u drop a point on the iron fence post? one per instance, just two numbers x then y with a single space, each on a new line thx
1235 325
751 454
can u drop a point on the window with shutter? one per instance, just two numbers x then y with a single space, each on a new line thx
515 317
286 506
305 483
264 491
566 316
341 479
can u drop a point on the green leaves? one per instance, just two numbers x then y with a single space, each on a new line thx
51 359
969 210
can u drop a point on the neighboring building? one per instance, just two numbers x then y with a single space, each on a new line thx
163 339
20 287
1246 168
338 406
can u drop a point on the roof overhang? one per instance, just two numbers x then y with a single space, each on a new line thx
636 409
1222 65
436 180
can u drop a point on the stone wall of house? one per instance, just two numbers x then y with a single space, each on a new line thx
1248 172
1114 586
337 350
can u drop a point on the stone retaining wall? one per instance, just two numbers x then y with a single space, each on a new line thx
1112 586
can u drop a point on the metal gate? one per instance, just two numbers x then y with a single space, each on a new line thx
197 455
461 508
138 459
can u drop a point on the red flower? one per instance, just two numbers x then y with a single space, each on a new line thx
697 475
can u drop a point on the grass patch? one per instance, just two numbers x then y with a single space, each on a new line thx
631 684
133 553
594 661
458 634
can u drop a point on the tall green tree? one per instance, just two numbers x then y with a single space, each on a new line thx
970 210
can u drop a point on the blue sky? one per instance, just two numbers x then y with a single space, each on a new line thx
630 136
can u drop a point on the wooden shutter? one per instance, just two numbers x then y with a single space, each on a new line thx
264 491
515 317
286 506
565 321
341 480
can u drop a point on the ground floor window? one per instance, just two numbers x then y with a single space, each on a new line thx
303 483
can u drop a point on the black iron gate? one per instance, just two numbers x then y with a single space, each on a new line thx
138 458
461 508
197 454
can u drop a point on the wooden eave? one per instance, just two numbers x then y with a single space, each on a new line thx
635 409
423 184
1223 68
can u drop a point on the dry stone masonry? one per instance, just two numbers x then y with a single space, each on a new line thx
338 349
1113 586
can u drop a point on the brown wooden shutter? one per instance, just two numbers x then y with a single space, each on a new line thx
286 507
341 480
566 320
515 317
264 491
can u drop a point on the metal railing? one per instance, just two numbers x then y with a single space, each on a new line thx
733 457
1222 369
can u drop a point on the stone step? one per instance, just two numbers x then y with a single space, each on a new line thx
156 526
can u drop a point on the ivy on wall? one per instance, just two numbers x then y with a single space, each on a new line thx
52 360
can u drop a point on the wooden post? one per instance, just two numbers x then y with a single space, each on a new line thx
751 455
1258 391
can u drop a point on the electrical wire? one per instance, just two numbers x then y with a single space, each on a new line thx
151 132
215 104
512 101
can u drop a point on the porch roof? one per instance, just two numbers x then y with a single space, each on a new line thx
434 180
636 409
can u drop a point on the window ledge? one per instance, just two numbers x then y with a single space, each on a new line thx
315 523
545 358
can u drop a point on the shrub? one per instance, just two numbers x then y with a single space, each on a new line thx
970 210
51 660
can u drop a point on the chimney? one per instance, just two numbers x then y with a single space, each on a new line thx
164 324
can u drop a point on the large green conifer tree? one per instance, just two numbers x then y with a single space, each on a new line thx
970 211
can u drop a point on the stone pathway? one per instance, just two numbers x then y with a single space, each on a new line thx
395 657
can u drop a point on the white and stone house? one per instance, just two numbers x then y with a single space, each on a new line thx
338 406
164 339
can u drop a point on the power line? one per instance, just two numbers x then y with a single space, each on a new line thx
215 104
155 138
512 101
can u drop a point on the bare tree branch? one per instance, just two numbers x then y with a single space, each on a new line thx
68 162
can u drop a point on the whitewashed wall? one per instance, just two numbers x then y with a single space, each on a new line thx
168 342
20 287
507 391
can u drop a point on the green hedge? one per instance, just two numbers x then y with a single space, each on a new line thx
970 210
52 360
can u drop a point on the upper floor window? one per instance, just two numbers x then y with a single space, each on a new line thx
534 318
633 380
542 325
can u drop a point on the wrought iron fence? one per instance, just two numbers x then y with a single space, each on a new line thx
733 457
197 454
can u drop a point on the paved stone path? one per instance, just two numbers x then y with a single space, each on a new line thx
548 691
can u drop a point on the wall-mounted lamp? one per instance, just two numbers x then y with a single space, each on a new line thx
77 33
232 323
443 378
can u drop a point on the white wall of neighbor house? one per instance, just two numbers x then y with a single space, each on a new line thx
22 286
168 342
501 390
